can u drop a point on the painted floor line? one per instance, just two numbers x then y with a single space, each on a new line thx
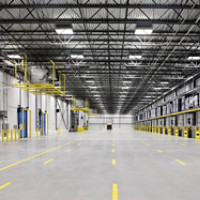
48 161
36 155
113 151
181 162
114 192
159 151
68 150
113 162
5 185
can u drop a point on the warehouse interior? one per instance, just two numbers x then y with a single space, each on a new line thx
99 99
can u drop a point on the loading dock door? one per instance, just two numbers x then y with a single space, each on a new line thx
109 126
23 122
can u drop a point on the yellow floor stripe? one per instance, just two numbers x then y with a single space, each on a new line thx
113 145
114 192
113 151
78 145
5 185
113 162
181 162
158 150
68 150
48 161
36 155
148 144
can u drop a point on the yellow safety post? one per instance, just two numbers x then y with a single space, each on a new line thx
29 124
11 135
186 131
58 130
18 134
164 130
36 132
169 130
176 131
197 132
2 135
15 134
40 132
7 135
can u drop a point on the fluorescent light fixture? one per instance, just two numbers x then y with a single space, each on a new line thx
8 62
65 31
193 58
133 57
143 31
14 56
77 56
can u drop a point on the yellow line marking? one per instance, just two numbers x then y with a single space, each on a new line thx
181 162
5 185
114 192
78 145
68 150
148 144
159 151
48 161
113 162
113 151
113 145
36 155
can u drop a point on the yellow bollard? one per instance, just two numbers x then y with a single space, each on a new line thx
2 135
11 135
36 132
7 139
18 134
15 135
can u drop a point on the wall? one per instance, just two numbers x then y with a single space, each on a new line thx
11 97
118 121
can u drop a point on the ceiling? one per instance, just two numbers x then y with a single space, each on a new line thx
104 32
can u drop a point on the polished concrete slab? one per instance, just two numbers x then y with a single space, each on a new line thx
74 166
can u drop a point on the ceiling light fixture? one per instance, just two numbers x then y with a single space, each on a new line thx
14 56
77 56
143 29
8 62
133 57
64 29
193 58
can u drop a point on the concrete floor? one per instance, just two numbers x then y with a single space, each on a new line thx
147 167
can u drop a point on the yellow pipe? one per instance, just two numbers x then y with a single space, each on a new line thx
53 72
64 83
59 80
25 68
